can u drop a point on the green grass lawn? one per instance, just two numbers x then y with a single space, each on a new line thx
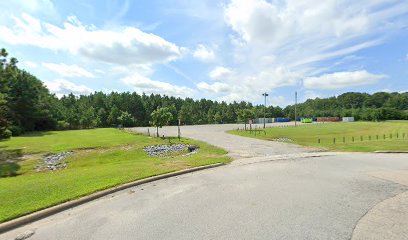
102 158
308 135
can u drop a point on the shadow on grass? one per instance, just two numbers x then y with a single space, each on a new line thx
9 162
9 169
37 134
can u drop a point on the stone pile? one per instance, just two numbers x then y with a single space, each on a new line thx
54 162
283 139
158 150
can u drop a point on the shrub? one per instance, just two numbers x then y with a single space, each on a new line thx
5 133
62 125
16 130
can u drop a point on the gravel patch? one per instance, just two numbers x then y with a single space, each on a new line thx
283 139
160 150
54 162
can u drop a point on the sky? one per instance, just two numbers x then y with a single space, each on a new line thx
226 50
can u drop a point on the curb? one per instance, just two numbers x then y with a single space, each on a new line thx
18 222
391 152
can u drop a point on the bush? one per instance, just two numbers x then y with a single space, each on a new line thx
62 125
5 133
16 130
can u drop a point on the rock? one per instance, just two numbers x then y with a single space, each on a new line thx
25 235
54 162
158 150
283 139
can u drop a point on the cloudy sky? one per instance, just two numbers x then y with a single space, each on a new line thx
224 50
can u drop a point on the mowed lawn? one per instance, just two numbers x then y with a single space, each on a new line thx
309 135
102 158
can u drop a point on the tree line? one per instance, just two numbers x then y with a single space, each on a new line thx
362 106
27 105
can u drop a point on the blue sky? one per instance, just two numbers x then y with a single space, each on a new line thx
228 50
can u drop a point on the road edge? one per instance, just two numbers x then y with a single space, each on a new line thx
40 214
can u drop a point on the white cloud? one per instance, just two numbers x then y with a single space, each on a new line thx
142 84
221 73
68 70
237 87
214 88
308 94
63 87
100 71
28 64
204 53
279 101
279 43
38 7
125 46
339 80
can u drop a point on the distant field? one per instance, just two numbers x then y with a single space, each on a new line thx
309 135
103 158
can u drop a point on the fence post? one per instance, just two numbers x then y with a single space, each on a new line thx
369 138
390 135
334 140
352 139
376 136
318 140
361 138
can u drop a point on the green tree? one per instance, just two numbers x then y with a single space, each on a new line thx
245 115
126 120
160 117
87 119
114 115
217 118
102 117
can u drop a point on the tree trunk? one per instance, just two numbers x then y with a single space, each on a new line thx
157 131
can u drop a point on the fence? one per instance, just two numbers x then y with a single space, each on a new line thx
254 130
361 138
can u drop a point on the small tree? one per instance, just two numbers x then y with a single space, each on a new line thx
160 117
245 115
126 119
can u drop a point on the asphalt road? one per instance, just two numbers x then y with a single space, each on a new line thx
285 193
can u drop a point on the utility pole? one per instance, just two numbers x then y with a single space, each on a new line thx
295 109
265 95
178 130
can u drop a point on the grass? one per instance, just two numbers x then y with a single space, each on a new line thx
308 135
103 158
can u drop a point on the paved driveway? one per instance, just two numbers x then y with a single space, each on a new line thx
238 147
277 191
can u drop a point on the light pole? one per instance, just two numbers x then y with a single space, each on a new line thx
265 95
295 109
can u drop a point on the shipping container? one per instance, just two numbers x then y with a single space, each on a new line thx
328 119
282 120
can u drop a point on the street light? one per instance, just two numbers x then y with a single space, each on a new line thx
265 95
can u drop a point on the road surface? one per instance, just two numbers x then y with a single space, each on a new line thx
271 191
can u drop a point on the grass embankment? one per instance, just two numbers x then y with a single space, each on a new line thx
309 135
102 158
